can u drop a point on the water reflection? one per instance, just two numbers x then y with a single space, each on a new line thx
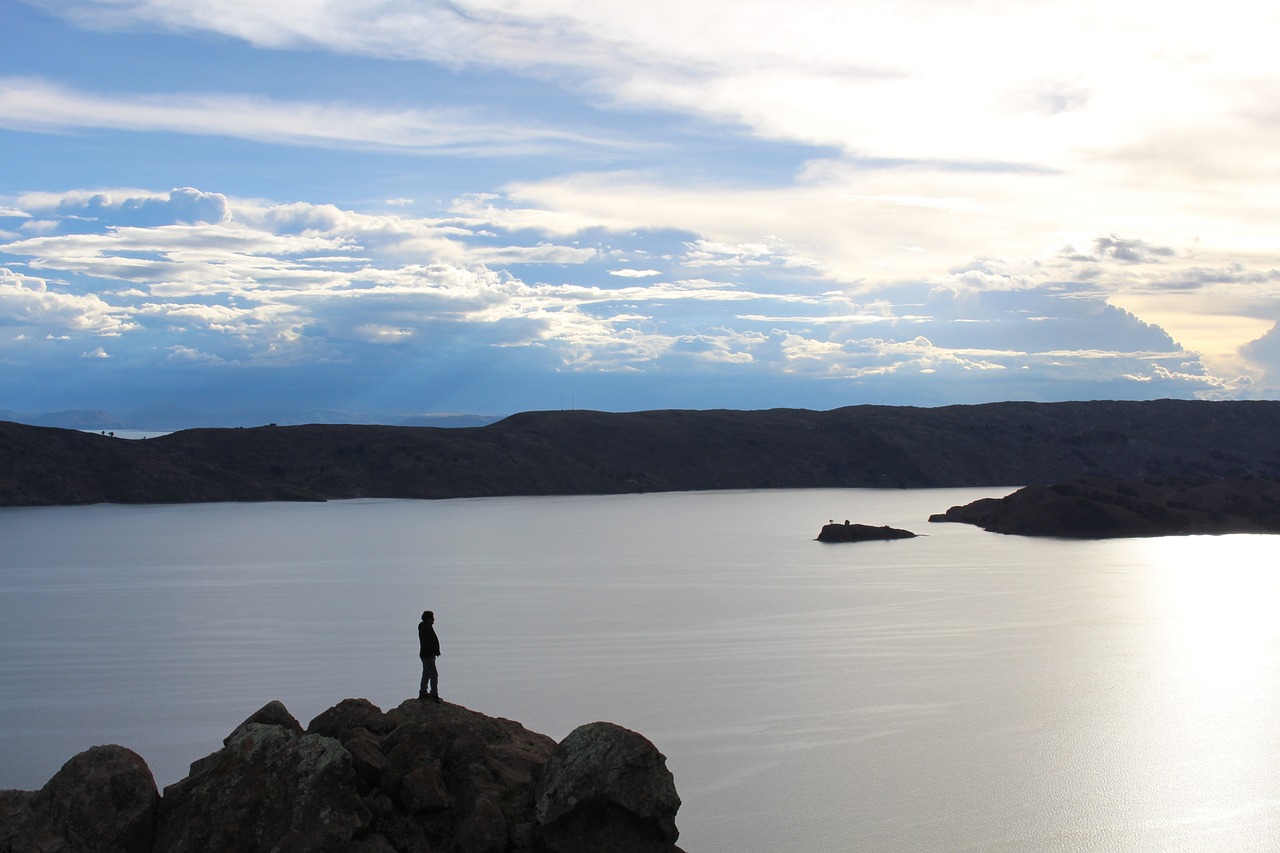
1217 599
1209 752
959 691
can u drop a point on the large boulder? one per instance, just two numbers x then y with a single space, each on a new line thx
268 789
466 778
607 788
274 713
349 718
103 799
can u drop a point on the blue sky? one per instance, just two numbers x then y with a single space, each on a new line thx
393 207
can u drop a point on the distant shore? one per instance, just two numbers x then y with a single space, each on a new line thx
581 452
130 434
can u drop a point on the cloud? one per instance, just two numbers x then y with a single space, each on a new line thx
36 105
187 354
1265 352
956 86
630 273
182 206
27 302
1125 251
314 290
840 195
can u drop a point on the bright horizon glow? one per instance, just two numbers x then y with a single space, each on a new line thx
491 207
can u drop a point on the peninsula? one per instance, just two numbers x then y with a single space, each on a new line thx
1092 508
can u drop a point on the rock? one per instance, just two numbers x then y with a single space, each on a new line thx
348 716
422 777
444 760
274 713
267 789
484 829
861 533
606 788
367 758
103 799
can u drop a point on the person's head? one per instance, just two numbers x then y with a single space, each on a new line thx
428 616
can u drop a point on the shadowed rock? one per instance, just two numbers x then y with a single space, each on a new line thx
424 776
103 799
607 788
349 717
267 789
274 713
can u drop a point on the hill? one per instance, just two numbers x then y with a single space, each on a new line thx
583 452
1091 508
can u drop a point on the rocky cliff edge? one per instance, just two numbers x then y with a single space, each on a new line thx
424 776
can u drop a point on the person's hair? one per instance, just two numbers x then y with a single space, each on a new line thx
427 614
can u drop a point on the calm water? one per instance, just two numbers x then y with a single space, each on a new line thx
960 691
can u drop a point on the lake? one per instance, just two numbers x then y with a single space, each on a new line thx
958 691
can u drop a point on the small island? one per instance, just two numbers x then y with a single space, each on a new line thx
1095 508
847 532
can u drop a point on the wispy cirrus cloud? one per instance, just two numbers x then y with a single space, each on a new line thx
963 83
34 104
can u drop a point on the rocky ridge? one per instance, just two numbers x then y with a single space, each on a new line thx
424 776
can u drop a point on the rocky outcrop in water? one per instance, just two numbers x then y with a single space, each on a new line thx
1091 508
861 533
424 776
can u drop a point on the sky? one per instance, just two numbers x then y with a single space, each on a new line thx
380 208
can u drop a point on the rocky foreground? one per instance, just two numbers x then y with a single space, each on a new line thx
1093 508
422 777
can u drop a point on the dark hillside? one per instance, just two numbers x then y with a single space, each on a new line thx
1093 508
581 452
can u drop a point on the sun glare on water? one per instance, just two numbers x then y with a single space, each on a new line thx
1217 598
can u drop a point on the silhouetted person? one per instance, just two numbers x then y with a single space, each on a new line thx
428 650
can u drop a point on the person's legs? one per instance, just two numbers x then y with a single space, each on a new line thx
430 678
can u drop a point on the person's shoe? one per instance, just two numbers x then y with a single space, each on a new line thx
435 697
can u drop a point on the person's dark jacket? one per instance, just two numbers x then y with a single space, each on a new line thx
428 642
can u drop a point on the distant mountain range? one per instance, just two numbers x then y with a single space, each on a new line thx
582 452
170 418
